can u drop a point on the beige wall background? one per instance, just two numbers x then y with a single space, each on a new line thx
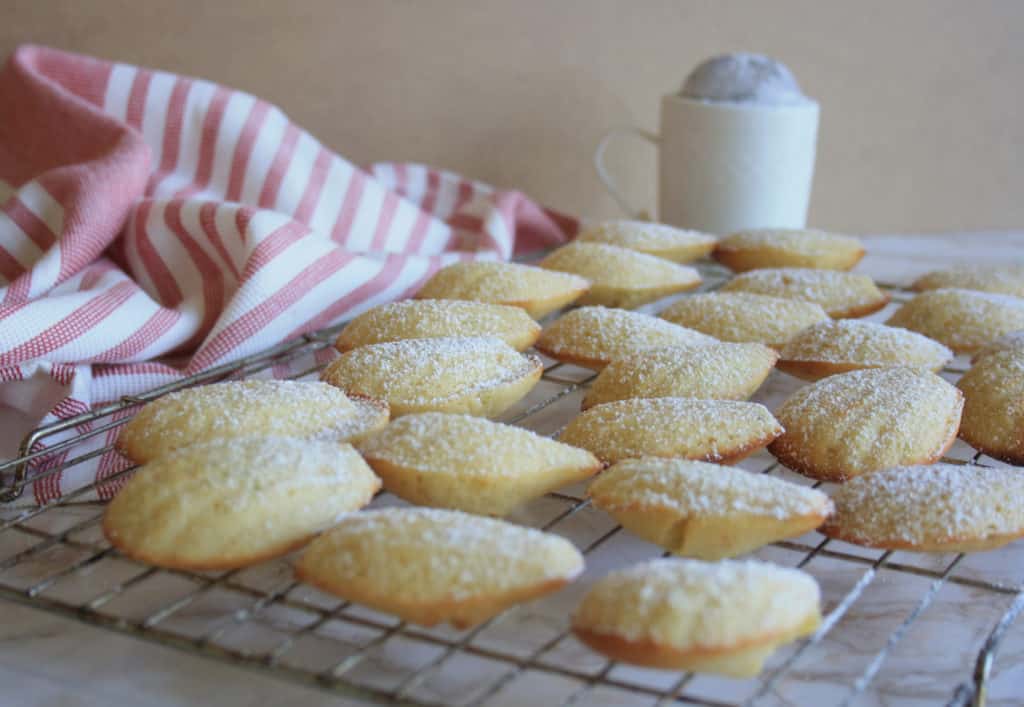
923 108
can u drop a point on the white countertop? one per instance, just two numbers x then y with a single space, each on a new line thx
50 660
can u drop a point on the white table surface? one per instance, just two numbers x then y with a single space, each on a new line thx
49 661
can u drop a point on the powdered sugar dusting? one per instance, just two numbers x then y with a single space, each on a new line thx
1011 340
836 291
964 320
496 281
432 554
994 409
469 446
745 316
710 430
370 415
601 334
717 371
230 502
930 504
415 319
236 408
690 603
1004 278
618 267
415 371
868 344
697 489
804 242
865 420
244 467
643 235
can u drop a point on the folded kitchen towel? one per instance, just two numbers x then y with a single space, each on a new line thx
153 226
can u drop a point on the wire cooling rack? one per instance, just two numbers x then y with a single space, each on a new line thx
896 624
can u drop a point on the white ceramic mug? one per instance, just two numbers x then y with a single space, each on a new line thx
724 167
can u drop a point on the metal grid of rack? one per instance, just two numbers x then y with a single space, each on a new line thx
53 557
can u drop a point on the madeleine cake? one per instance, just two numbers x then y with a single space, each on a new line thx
1013 340
247 408
714 371
724 617
620 277
428 319
475 375
935 508
593 336
863 421
231 503
781 248
534 289
658 239
994 408
470 463
704 510
745 317
429 566
723 431
963 320
1002 278
840 294
849 344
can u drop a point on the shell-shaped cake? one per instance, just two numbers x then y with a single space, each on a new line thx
470 463
792 248
594 336
231 503
1007 279
718 371
863 421
429 566
724 617
534 289
475 375
620 277
658 239
1013 340
723 431
244 409
702 510
841 294
429 319
935 508
745 317
963 320
849 344
994 407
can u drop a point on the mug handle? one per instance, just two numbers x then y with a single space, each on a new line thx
606 178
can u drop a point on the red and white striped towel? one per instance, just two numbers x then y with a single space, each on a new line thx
147 215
